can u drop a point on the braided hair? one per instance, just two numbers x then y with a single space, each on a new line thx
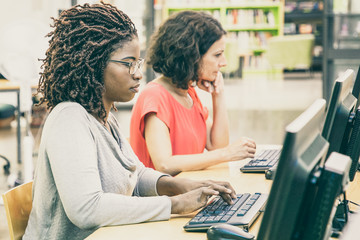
79 49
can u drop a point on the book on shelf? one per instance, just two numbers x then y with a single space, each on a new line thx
289 28
305 28
217 1
249 17
249 41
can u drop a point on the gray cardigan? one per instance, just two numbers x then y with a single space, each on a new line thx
86 178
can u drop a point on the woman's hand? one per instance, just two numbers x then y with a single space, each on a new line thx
197 198
175 185
212 86
240 150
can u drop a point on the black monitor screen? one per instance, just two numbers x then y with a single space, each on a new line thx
340 127
356 88
304 151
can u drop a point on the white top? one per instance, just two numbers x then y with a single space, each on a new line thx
87 177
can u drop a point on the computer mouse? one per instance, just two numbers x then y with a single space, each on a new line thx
224 231
270 173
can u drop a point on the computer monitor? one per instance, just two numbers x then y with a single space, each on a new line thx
356 87
341 126
295 189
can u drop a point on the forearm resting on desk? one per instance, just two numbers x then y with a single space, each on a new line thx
174 164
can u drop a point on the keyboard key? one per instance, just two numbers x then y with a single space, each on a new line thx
226 218
242 212
210 219
255 196
246 207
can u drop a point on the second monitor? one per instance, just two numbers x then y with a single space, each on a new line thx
341 126
305 187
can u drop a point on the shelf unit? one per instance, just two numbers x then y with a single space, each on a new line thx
308 13
248 22
341 43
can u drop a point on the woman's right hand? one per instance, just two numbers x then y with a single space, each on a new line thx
215 86
195 199
240 150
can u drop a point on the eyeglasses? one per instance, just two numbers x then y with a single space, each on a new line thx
133 66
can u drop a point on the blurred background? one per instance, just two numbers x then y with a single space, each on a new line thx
282 55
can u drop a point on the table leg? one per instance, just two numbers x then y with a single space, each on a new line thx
18 129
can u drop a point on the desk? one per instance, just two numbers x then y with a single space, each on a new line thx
7 86
173 229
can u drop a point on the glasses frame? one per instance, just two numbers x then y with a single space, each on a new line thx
136 65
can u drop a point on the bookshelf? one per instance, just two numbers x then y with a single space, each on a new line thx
248 22
304 17
341 40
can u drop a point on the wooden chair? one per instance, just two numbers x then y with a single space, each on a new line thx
18 204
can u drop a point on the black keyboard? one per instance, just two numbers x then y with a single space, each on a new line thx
264 161
243 212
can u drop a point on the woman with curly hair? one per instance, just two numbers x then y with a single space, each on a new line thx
87 175
170 128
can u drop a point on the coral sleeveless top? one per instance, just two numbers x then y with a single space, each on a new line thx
187 127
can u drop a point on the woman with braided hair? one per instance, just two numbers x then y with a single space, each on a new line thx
87 175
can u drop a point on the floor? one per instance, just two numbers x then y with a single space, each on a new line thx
258 108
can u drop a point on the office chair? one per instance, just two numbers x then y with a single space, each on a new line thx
18 204
290 52
232 58
7 112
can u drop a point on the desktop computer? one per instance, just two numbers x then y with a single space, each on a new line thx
356 87
341 128
303 195
304 142
319 156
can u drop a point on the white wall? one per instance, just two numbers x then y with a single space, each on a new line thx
39 12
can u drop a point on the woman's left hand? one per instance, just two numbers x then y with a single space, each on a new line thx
214 87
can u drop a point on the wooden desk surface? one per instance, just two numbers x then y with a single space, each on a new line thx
6 85
173 229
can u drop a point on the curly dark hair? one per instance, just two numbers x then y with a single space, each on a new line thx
179 44
79 49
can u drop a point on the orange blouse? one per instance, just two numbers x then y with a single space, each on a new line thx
187 127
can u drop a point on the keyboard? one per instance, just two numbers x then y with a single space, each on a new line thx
264 161
246 208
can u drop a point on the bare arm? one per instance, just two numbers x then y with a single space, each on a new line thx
218 126
158 143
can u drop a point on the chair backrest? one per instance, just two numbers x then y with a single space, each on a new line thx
18 204
290 51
